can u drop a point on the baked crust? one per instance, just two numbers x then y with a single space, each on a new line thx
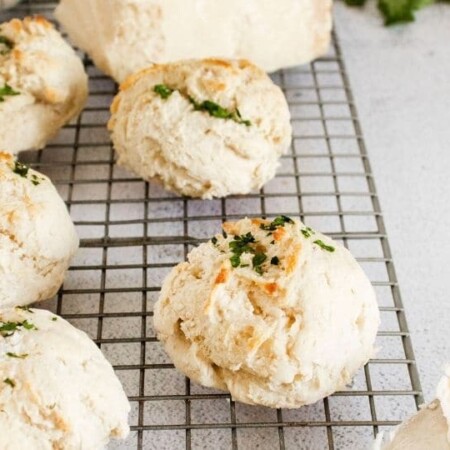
37 236
48 80
283 334
190 151
124 36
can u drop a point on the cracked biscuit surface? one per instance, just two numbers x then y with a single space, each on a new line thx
272 311
57 390
203 128
37 236
43 84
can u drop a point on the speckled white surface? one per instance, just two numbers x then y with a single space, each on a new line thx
400 78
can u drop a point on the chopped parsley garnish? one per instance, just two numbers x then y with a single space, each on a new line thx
212 108
6 45
258 261
396 11
25 308
245 238
278 222
247 123
240 245
36 180
163 91
235 261
54 319
7 90
28 326
244 244
21 169
324 246
9 328
307 232
15 355
355 2
215 110
10 382
214 240
224 234
275 261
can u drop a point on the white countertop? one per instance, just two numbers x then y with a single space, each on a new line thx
400 78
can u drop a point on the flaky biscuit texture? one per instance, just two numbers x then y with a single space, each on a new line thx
173 137
278 315
37 236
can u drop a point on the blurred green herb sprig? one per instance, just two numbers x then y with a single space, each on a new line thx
398 11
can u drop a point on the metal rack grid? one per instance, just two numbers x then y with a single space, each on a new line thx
133 232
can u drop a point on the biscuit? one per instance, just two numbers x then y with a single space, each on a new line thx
37 236
427 429
272 311
57 390
124 36
203 128
43 84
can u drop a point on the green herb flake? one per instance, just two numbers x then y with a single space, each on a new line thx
307 232
275 261
257 261
245 244
28 326
224 234
215 110
6 45
25 308
396 11
355 2
54 319
163 91
36 180
247 123
214 241
401 11
247 238
21 169
324 246
240 245
6 91
258 270
9 328
15 355
278 222
9 382
235 261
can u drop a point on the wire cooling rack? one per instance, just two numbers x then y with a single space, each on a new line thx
132 234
